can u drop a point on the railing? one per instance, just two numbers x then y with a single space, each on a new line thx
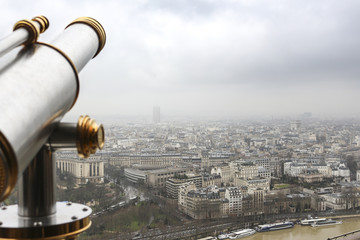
351 235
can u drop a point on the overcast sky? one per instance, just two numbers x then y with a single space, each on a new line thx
213 58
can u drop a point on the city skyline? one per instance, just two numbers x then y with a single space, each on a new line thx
211 59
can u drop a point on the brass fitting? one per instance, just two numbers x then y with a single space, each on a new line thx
43 21
89 136
33 29
98 28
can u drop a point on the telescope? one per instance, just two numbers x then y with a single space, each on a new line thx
37 88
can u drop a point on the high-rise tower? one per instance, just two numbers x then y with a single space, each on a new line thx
156 114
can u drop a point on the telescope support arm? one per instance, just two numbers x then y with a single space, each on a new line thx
36 193
37 214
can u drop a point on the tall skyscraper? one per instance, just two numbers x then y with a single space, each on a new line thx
156 114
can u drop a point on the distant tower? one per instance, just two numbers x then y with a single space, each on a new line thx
307 115
156 114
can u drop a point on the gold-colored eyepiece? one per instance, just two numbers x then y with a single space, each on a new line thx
98 28
89 136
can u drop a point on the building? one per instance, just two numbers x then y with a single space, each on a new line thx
310 176
253 184
290 203
295 125
342 171
345 173
264 173
325 190
294 169
335 201
89 170
258 200
247 205
146 160
211 180
214 160
225 172
173 184
263 162
247 171
135 175
158 178
276 167
203 204
323 169
224 207
318 203
152 178
182 195
207 203
357 141
234 197
121 160
156 114
358 175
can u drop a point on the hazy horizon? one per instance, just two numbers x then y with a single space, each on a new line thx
148 118
228 59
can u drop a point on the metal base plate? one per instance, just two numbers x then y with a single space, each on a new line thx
70 220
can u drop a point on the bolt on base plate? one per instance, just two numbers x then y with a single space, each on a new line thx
69 220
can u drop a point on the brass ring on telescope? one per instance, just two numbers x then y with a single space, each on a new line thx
8 168
98 28
43 21
32 29
72 66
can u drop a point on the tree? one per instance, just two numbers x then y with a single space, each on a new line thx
350 195
247 141
352 165
320 138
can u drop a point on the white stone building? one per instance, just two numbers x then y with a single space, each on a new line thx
297 169
323 169
182 195
224 172
233 194
263 172
247 171
91 169
263 162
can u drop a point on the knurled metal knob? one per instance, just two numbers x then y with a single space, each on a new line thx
89 137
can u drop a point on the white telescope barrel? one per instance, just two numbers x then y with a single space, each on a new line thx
13 40
25 32
36 90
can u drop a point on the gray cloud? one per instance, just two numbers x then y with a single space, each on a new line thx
230 58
